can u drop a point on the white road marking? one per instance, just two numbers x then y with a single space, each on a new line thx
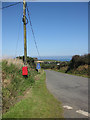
68 107
83 113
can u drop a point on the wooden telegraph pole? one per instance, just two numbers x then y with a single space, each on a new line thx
24 24
25 69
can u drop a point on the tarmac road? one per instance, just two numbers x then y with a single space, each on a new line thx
71 90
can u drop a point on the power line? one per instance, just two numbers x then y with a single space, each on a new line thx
33 32
17 39
10 5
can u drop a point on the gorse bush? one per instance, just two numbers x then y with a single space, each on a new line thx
75 62
78 60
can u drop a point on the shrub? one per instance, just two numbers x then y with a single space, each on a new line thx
48 66
75 62
62 64
79 60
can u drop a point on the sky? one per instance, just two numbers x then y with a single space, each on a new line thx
61 29
0 32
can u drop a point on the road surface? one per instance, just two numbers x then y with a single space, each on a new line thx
71 90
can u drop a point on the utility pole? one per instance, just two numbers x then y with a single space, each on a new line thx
24 24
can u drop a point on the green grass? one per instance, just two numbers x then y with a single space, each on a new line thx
38 103
72 73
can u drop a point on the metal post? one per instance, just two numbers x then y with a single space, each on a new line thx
24 23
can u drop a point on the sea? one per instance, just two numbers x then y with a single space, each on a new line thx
57 58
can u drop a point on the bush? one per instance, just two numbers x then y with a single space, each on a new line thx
62 64
48 66
31 62
79 60
75 62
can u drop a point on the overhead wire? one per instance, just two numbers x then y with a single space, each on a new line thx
17 39
19 24
33 31
10 5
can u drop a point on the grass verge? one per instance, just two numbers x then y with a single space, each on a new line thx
73 73
38 103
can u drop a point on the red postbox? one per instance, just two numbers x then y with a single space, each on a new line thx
25 70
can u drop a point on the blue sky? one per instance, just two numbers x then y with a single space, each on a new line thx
61 29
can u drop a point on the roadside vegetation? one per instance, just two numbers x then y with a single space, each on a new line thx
27 97
13 83
79 65
37 103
